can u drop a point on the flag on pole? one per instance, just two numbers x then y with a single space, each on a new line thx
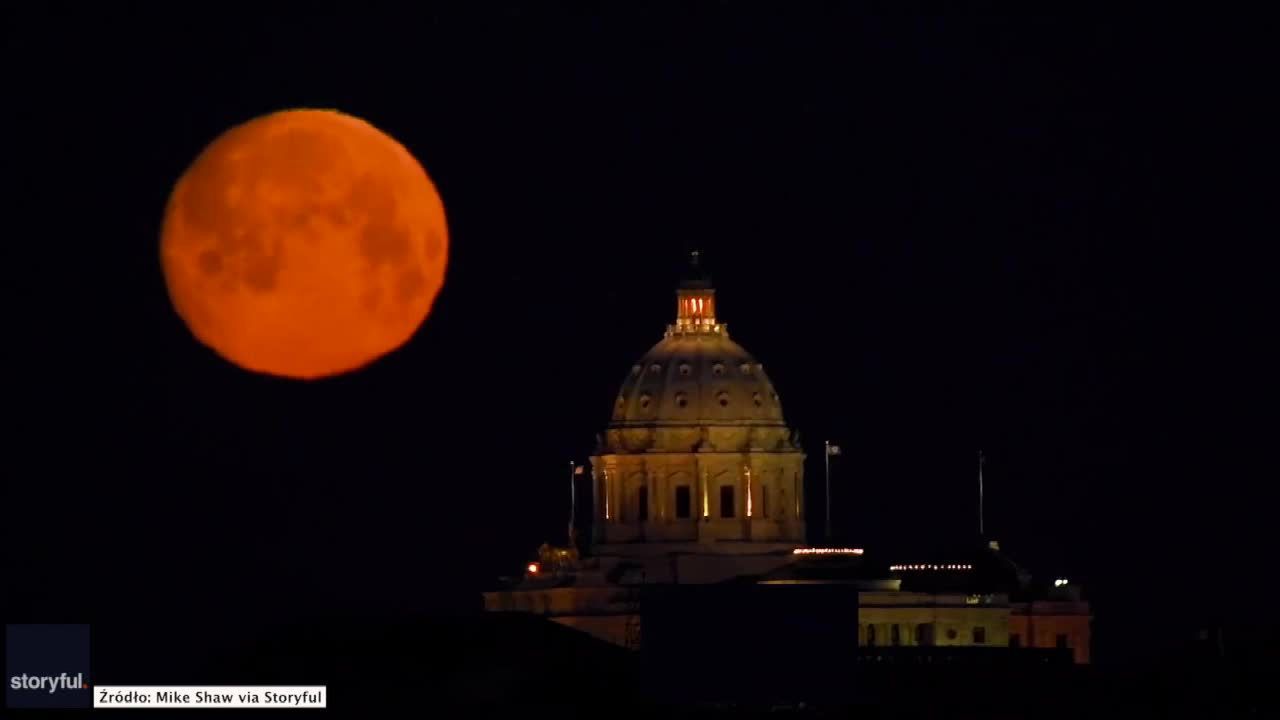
833 449
578 469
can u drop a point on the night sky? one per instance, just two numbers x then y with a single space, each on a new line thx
939 233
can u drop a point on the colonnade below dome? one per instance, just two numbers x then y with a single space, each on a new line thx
701 497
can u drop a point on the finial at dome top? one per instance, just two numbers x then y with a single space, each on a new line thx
694 275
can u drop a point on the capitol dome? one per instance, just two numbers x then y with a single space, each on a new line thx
696 389
696 379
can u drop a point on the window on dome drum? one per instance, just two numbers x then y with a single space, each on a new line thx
746 368
682 400
644 504
724 399
684 504
758 400
1060 641
655 368
717 369
1015 640
726 501
979 636
895 634
871 636
644 401
685 369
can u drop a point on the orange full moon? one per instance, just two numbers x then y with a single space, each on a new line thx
305 243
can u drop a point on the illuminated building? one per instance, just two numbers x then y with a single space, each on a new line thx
697 461
697 481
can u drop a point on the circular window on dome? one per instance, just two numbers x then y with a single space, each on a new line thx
717 369
682 400
757 399
723 399
655 368
746 368
645 401
685 369
635 369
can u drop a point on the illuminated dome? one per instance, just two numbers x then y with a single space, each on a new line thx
696 378
696 388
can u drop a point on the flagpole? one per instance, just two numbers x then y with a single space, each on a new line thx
826 455
573 499
981 519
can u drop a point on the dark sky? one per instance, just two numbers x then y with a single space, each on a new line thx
940 233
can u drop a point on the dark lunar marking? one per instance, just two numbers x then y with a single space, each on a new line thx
337 214
372 196
383 243
371 298
410 285
297 157
204 204
261 270
210 262
433 245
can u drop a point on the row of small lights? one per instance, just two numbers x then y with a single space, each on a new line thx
827 551
896 568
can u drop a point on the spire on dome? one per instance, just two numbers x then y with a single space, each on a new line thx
694 275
